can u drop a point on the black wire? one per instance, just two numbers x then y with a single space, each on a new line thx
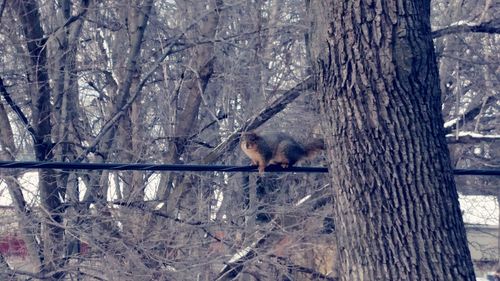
151 167
476 172
191 167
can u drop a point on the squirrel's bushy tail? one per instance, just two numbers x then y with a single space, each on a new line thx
316 145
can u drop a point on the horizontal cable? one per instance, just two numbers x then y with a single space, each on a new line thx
190 167
151 167
476 172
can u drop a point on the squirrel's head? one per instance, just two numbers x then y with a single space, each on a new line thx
249 139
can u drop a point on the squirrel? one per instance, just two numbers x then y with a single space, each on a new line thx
277 148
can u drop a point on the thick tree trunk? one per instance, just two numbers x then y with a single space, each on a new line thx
396 207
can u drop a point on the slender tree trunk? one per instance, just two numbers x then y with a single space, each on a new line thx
50 193
396 207
197 77
27 225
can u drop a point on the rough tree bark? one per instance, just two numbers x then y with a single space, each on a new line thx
396 207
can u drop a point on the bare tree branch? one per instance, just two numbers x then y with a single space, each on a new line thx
17 110
265 114
2 8
470 114
6 273
295 267
236 264
470 137
491 27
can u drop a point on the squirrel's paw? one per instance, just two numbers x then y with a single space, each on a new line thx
261 169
